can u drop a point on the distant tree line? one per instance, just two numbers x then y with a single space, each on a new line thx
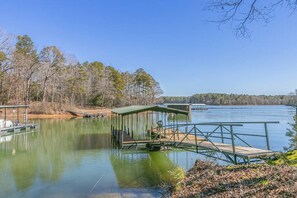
234 99
47 76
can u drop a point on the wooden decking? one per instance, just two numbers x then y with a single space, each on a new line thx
181 139
243 151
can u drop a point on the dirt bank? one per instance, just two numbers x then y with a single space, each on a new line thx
52 111
103 111
40 116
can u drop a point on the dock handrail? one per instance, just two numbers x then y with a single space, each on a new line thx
226 131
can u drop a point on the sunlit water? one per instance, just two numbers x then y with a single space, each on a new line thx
75 157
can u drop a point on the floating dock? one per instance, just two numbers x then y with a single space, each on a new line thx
18 128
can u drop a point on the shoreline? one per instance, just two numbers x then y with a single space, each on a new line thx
52 116
106 112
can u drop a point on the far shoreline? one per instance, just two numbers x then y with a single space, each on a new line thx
103 111
47 116
60 115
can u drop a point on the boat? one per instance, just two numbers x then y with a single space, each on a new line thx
86 115
5 123
199 107
14 125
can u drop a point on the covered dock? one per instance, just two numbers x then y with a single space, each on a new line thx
220 140
14 118
136 121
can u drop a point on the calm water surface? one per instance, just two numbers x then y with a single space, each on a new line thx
75 157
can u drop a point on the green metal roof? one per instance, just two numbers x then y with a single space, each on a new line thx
142 108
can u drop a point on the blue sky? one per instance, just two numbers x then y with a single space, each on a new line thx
171 39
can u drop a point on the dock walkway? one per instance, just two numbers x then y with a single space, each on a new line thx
202 142
223 139
182 140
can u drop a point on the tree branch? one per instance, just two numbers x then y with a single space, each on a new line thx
241 13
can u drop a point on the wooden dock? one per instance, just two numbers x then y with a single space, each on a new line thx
212 138
182 140
198 143
242 151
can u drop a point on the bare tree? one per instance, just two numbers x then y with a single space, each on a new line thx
5 66
52 61
241 13
26 63
47 76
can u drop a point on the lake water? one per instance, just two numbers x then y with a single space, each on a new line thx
75 157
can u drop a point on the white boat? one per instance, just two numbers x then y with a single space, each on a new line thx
5 123
199 104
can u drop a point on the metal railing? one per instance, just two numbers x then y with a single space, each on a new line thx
225 131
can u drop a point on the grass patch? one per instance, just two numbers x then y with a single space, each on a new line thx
264 182
288 158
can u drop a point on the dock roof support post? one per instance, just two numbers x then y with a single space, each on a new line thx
173 122
132 123
128 122
116 128
146 126
266 135
122 122
150 133
116 121
137 125
122 130
111 123
165 121
152 113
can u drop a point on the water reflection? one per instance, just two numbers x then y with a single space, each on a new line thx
141 169
75 158
93 141
23 170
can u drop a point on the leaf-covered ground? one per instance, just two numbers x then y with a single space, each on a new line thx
206 179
